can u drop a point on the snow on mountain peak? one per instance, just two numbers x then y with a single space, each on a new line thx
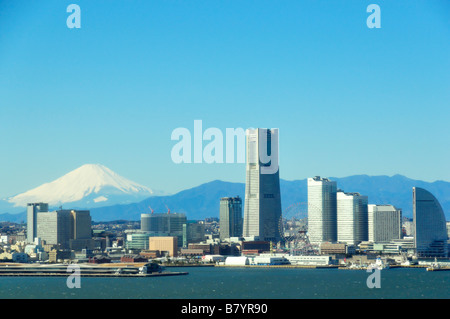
89 179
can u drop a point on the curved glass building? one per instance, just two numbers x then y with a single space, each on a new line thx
430 230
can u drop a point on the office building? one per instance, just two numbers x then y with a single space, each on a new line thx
430 232
82 230
352 218
138 241
384 223
32 210
230 217
322 210
67 229
193 232
54 228
167 245
168 223
262 207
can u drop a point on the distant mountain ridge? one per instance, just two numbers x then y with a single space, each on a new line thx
203 201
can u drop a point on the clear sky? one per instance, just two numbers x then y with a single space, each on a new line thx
346 99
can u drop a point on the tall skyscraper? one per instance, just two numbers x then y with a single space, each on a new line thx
385 223
262 208
322 210
352 218
32 210
430 232
81 225
55 228
69 229
230 217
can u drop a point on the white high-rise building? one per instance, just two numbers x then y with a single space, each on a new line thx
322 210
352 218
385 223
262 208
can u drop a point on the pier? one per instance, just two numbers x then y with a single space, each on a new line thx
84 271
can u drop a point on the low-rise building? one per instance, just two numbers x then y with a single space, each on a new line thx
133 259
337 249
192 252
99 259
19 257
213 258
59 255
310 260
268 260
237 261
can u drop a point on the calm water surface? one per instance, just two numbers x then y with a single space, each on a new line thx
239 283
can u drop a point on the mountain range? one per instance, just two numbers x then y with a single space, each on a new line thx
203 201
110 196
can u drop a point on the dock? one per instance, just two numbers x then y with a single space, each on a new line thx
84 271
51 274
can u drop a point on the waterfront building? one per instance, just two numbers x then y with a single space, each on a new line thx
262 207
265 260
193 232
337 249
352 218
395 246
168 223
237 261
255 247
384 223
430 232
310 260
138 241
32 210
133 259
166 245
322 210
230 217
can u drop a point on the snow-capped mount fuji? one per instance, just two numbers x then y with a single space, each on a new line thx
91 185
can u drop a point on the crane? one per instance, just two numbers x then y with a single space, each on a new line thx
168 209
151 209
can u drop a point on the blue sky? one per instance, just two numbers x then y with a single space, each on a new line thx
346 99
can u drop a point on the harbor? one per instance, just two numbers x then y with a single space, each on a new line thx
118 270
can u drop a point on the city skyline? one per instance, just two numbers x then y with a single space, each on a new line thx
198 153
97 95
